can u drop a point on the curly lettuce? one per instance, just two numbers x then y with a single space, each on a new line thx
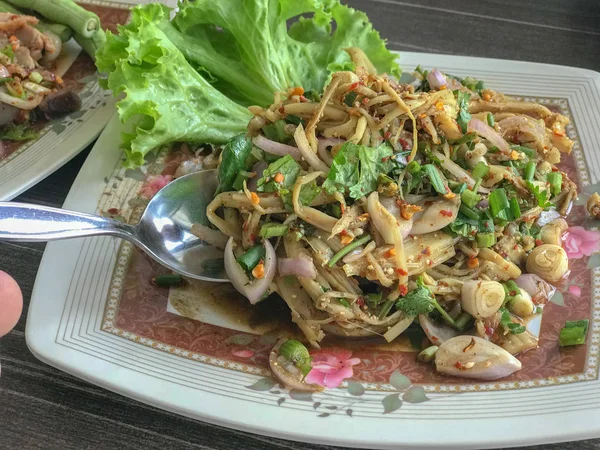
247 45
161 95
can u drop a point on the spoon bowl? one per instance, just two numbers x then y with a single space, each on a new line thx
163 231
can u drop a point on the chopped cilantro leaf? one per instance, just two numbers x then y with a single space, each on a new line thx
462 99
356 169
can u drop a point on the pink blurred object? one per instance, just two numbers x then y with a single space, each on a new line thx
579 242
153 184
11 303
575 290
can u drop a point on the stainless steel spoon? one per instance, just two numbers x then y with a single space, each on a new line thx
163 232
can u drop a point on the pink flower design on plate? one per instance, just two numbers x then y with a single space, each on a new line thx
153 184
330 368
243 353
579 242
575 290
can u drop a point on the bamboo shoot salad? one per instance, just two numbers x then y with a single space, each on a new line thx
366 204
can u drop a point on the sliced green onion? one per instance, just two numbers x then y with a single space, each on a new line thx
529 152
438 181
463 321
480 170
348 248
477 184
490 119
555 180
252 257
498 201
271 229
511 289
413 167
427 355
486 226
238 183
385 309
573 333
344 302
36 77
168 280
296 353
515 209
471 214
529 171
460 188
485 240
463 140
373 300
470 198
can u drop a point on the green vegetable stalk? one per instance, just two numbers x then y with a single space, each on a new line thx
66 12
162 98
91 45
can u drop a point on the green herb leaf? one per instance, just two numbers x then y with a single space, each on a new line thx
462 100
506 322
541 196
290 170
234 160
276 132
356 169
417 301
21 132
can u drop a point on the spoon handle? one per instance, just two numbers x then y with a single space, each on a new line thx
32 223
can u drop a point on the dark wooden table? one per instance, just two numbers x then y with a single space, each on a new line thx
41 407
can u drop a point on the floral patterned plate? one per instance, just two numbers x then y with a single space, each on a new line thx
23 164
201 351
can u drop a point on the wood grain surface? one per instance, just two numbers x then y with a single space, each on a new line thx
43 408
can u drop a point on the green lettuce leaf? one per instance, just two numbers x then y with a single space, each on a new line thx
161 95
247 46
356 169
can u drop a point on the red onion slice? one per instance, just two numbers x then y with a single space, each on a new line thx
4 73
253 291
436 79
301 266
484 130
322 149
539 290
276 148
522 125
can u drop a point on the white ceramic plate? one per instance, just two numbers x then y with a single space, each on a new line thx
99 319
62 139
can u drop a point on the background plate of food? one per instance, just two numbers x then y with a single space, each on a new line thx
52 106
478 328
